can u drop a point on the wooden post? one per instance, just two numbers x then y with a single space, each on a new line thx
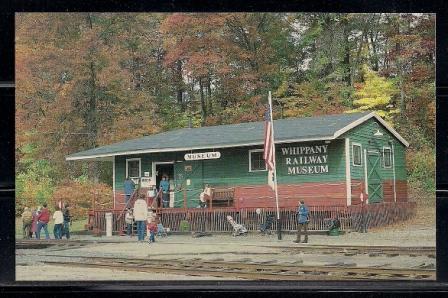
210 198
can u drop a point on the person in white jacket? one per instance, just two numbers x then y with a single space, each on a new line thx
140 216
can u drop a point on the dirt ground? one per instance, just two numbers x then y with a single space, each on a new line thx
419 231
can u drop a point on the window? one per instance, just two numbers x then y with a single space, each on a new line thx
387 157
256 161
133 168
357 159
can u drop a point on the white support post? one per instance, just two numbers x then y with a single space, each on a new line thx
393 161
113 179
348 177
365 173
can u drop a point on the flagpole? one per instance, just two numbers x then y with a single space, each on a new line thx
279 228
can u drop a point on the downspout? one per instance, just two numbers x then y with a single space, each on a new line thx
366 178
393 161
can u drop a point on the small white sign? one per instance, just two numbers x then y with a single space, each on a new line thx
146 174
203 155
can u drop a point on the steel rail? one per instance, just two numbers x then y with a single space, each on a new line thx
329 249
248 270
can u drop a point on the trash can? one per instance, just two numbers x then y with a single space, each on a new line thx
108 224
334 232
184 226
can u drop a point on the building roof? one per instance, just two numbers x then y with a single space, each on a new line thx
237 135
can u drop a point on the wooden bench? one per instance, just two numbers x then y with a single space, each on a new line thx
222 197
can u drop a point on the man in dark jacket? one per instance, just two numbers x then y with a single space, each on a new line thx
302 220
42 221
67 221
129 186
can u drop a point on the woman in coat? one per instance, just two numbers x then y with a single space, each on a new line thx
34 223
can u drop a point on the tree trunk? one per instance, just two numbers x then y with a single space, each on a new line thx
400 70
209 95
203 103
92 119
346 60
179 85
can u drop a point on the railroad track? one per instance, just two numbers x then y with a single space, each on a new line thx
243 270
351 250
347 250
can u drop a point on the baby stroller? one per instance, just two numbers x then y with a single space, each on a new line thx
265 228
161 231
238 229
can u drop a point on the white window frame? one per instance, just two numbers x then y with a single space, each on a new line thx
384 159
139 167
250 161
353 154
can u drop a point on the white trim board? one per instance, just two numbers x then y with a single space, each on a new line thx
364 119
113 178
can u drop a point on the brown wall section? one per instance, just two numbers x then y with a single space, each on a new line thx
314 194
388 191
401 189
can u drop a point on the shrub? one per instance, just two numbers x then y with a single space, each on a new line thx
80 195
421 170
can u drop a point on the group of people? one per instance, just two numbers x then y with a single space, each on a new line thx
144 219
164 188
34 221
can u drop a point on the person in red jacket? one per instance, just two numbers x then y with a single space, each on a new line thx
42 222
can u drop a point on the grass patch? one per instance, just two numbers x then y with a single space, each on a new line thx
77 226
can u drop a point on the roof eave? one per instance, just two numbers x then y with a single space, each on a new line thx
96 156
367 117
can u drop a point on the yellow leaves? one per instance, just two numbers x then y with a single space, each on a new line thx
375 94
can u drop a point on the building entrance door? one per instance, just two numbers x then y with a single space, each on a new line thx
374 177
161 169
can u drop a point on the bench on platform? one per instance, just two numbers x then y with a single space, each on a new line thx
222 197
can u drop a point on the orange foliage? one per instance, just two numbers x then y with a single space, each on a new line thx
80 196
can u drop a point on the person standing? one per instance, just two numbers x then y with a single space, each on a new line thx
302 220
140 216
58 222
67 222
34 224
129 186
42 221
165 186
27 220
129 219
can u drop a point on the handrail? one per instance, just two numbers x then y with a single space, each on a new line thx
131 199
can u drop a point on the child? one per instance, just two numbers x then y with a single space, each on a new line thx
152 229
129 219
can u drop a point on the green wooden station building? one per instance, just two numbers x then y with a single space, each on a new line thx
327 161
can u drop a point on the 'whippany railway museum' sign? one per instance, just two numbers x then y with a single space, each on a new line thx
203 155
304 160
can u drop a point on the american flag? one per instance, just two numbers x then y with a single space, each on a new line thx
268 154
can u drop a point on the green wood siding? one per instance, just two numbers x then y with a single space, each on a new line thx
232 169
362 134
